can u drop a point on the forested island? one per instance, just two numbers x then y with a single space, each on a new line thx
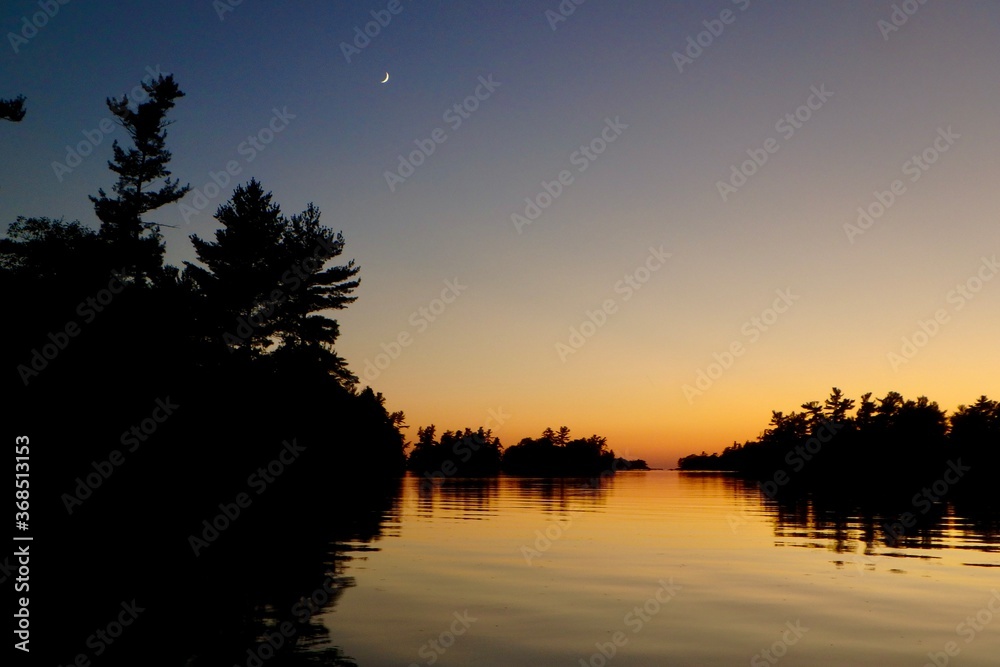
468 453
865 447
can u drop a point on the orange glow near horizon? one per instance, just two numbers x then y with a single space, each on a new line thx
657 429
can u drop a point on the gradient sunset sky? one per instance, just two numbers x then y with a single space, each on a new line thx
881 95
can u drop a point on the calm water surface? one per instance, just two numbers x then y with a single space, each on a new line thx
658 568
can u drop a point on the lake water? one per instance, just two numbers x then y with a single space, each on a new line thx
658 568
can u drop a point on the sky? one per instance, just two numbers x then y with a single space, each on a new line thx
654 221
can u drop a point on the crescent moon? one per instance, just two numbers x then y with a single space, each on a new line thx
386 77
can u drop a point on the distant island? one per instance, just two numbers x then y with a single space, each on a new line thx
868 447
468 453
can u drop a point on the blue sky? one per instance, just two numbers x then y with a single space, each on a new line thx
894 92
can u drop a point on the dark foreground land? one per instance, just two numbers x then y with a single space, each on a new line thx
192 449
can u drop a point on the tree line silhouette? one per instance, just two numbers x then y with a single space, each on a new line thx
100 332
468 453
867 446
250 310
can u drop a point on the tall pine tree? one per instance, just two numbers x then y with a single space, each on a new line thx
266 285
136 245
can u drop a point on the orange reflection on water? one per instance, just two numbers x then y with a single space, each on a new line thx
553 569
